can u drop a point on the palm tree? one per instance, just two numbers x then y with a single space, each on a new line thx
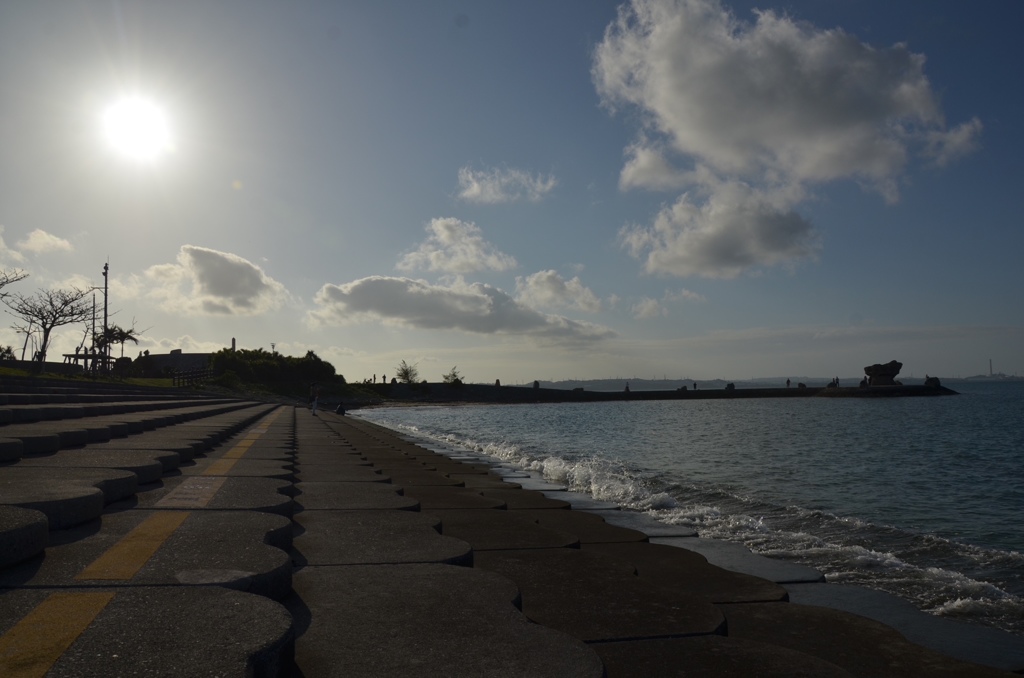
117 335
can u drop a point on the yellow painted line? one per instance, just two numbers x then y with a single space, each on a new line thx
195 492
125 558
239 450
36 642
227 461
220 467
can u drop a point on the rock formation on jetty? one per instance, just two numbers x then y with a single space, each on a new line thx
883 375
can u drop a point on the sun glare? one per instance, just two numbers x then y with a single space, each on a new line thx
137 128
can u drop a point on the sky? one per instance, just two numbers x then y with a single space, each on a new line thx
527 190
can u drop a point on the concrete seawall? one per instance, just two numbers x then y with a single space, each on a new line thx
172 535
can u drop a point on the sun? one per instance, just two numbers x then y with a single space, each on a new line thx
138 129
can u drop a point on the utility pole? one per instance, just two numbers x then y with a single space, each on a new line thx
106 343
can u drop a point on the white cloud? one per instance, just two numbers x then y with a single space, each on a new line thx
503 185
736 229
475 308
39 242
684 295
653 308
774 104
79 281
549 289
7 255
946 147
128 286
646 167
455 246
648 308
772 95
216 283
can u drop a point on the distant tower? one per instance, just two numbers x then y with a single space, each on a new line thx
990 367
232 344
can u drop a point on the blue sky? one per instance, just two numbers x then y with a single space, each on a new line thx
531 190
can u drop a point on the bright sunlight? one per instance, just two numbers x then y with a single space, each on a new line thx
138 129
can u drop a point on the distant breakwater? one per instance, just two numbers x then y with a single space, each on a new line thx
481 393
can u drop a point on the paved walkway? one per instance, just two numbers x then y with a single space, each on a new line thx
191 536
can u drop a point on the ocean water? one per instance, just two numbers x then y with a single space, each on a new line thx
920 497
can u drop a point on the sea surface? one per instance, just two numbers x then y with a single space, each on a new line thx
920 497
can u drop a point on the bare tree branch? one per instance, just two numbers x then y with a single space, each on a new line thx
49 309
8 277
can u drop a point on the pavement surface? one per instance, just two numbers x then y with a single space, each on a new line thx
158 534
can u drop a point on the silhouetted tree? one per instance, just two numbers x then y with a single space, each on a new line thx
406 373
260 366
8 277
453 378
116 335
49 309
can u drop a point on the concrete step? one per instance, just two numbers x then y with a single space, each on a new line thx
352 496
47 436
67 497
710 656
23 534
215 493
241 550
142 631
588 528
690 572
598 599
147 465
867 648
491 530
518 499
440 497
424 620
375 537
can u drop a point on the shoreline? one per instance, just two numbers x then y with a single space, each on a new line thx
962 640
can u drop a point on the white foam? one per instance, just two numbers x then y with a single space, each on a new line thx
1011 608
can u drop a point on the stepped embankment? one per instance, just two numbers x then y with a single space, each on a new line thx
189 535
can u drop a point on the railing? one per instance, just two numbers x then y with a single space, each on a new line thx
192 377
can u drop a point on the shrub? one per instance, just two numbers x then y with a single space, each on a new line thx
453 378
406 373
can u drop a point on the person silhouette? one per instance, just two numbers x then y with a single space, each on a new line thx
314 397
